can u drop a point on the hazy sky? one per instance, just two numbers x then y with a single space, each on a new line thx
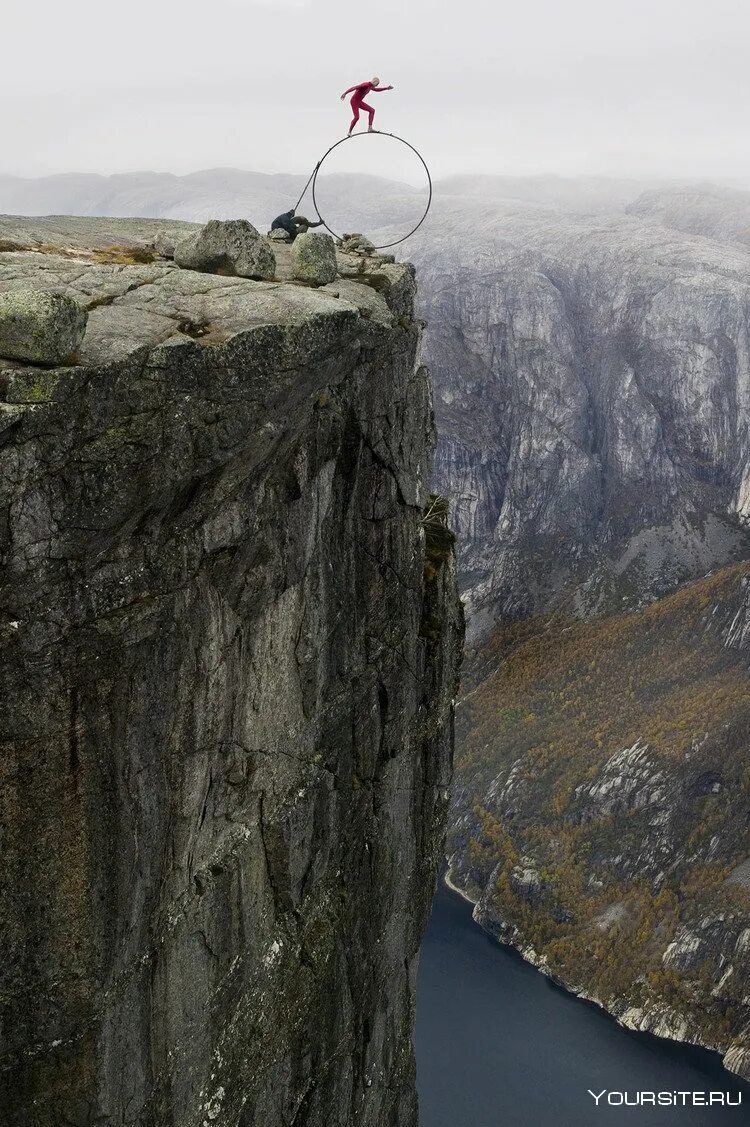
639 87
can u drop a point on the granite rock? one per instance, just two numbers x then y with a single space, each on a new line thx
230 247
40 327
314 258
227 733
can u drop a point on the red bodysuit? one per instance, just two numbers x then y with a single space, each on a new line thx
360 92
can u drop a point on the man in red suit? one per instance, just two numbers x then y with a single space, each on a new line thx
360 92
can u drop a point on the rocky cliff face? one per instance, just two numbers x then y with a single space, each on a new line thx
592 383
227 674
600 816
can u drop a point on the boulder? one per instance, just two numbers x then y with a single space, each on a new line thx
232 247
526 881
314 259
40 327
166 242
356 243
279 235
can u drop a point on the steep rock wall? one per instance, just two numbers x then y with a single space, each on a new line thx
592 399
226 736
592 380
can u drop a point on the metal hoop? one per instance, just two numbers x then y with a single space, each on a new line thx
379 133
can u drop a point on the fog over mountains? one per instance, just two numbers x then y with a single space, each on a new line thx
182 197
356 200
212 194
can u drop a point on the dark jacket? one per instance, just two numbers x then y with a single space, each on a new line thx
295 225
285 222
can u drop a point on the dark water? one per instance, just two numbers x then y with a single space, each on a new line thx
499 1046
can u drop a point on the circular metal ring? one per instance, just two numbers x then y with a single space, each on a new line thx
378 133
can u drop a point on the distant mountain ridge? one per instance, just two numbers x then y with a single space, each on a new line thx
184 196
219 193
718 213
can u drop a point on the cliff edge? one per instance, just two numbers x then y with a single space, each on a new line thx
228 661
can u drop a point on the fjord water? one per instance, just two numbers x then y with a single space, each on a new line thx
498 1045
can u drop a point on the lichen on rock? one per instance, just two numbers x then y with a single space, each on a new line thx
40 326
313 257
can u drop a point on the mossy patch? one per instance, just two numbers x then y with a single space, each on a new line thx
112 255
125 256
32 386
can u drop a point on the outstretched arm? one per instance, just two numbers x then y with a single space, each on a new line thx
380 89
349 91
